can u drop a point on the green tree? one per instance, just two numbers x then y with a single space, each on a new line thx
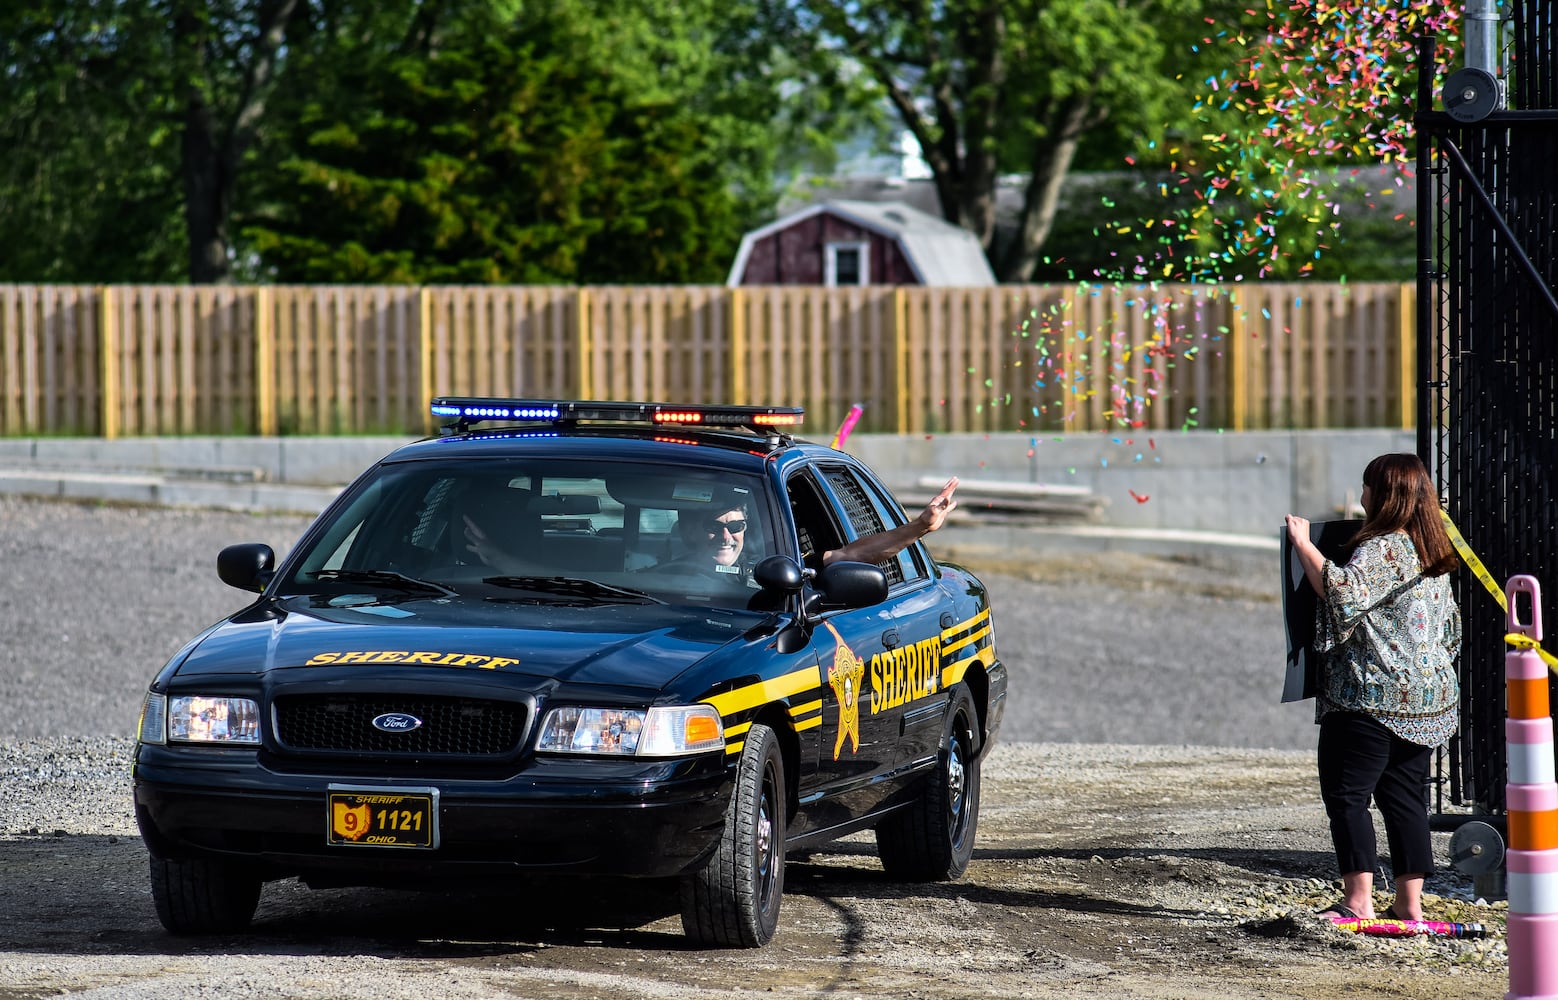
1287 156
125 125
1257 114
89 185
549 145
992 87
144 138
226 56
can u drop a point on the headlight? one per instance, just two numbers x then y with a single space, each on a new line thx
664 731
197 719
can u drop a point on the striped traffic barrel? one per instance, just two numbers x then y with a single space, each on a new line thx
1531 803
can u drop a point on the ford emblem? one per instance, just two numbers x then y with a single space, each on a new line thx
396 722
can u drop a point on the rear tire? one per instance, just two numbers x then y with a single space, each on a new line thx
734 901
200 896
933 839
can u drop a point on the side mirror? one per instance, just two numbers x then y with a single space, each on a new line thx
249 566
848 585
782 579
779 574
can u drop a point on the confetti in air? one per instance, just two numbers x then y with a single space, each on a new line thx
1304 119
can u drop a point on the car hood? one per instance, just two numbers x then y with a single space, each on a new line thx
642 646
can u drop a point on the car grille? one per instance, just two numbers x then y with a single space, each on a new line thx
344 723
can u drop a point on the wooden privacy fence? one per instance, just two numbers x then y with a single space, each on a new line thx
171 360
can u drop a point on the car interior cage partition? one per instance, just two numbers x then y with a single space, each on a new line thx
1487 214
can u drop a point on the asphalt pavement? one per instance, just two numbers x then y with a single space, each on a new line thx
1104 645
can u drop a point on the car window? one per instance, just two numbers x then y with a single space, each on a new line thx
662 530
912 560
816 529
867 516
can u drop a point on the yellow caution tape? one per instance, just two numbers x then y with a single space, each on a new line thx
1518 640
1521 641
1472 562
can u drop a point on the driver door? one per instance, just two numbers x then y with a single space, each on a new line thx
857 747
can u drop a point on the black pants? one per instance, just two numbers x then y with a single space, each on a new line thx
1360 758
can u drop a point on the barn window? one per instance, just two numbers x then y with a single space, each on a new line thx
848 264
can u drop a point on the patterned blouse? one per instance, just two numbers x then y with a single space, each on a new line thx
1390 636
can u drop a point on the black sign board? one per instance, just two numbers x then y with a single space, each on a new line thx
1299 601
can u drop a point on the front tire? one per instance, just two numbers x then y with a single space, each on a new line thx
734 901
199 896
933 839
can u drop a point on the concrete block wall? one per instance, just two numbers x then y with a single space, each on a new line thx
1239 483
308 461
1194 480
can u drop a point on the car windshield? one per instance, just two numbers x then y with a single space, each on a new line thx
539 531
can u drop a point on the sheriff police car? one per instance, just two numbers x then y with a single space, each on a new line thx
574 637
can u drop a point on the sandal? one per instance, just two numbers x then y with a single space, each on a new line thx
1340 909
1390 913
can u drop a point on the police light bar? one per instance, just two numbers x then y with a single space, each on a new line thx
463 411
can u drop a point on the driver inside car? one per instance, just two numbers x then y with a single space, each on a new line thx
714 541
720 539
494 526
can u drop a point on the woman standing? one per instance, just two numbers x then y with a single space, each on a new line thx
1389 631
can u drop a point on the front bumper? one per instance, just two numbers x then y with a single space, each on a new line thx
589 816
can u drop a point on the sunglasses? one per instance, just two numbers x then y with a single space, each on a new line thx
735 527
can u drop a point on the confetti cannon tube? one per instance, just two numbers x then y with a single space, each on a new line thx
1531 801
850 420
1407 928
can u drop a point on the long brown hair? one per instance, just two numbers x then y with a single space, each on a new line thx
1404 499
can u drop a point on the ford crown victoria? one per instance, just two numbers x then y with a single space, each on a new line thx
574 638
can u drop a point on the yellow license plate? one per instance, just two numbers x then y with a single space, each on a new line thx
382 817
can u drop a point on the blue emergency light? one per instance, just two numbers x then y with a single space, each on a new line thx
464 411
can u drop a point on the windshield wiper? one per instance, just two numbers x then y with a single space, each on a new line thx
569 586
384 578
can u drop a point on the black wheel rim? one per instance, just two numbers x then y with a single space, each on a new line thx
764 842
957 787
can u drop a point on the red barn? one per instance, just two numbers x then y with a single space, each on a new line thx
839 243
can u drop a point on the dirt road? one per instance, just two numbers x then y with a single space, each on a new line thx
1107 871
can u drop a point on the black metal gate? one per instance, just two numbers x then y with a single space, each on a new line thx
1488 362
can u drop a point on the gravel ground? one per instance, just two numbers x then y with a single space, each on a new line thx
96 598
1150 825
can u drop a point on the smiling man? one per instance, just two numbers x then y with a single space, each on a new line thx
718 541
727 535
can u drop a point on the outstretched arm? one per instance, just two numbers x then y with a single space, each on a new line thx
886 544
